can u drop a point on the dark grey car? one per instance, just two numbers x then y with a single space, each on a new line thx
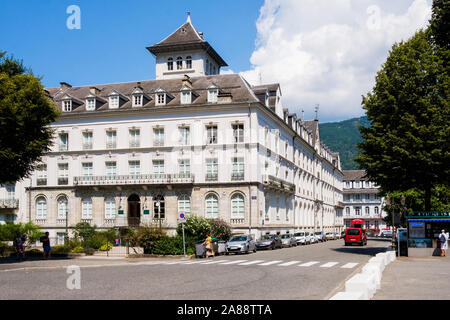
269 241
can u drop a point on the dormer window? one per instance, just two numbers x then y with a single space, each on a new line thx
188 62
137 100
170 64
179 63
90 104
114 102
160 99
186 96
213 92
67 105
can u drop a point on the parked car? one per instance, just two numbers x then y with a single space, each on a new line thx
269 241
313 238
330 236
321 236
301 238
355 235
241 243
386 234
288 240
337 235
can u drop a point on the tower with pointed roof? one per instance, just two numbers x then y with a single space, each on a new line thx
185 52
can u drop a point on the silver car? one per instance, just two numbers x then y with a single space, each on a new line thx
241 243
301 238
288 240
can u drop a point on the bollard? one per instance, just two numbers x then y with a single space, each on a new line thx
365 283
356 295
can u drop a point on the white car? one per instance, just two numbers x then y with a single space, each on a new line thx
330 236
302 238
313 238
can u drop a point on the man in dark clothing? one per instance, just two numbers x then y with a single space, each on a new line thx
46 245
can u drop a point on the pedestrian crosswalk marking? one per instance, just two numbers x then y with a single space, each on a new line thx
329 264
212 262
349 265
269 263
194 262
234 261
308 264
288 263
250 262
173 262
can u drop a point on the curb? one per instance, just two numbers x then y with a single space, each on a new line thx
363 285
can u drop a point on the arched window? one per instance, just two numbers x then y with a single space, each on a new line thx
184 205
212 206
86 208
159 207
179 63
367 210
376 210
110 208
41 208
237 206
188 62
170 64
62 207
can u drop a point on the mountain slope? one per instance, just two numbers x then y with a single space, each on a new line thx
342 137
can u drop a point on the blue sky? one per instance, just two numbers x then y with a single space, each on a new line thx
110 46
324 52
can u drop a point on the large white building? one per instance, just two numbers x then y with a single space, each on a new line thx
361 200
193 141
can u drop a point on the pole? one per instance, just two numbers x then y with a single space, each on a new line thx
398 244
184 244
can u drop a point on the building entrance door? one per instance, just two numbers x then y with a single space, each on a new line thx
134 210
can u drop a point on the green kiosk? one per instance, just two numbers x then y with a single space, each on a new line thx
423 232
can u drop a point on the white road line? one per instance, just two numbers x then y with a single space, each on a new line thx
173 262
270 262
146 263
288 263
308 264
329 264
349 265
233 262
212 262
250 262
194 262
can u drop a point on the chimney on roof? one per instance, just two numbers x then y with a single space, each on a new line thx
188 17
186 81
201 35
94 90
303 115
64 85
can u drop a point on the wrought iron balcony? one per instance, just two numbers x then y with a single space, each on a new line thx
9 203
237 176
133 179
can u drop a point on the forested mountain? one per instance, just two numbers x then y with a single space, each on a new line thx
342 137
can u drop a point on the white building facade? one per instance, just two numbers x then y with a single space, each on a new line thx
361 200
191 141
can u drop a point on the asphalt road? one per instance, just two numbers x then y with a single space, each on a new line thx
308 272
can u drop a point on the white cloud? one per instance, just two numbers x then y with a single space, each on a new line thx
328 52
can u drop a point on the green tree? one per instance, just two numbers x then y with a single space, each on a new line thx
25 115
406 145
195 227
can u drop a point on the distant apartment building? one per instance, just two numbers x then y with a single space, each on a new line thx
361 200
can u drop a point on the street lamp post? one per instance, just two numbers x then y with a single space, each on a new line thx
391 205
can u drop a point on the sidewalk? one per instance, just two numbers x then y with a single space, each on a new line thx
426 278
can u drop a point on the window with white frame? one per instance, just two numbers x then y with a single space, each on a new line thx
87 140
114 102
134 135
170 64
213 95
184 134
179 63
158 168
90 104
237 206
41 208
184 168
111 138
188 62
238 133
184 205
67 105
357 211
137 100
347 211
212 169
110 208
10 191
134 168
87 169
237 169
212 206
186 96
110 168
367 211
160 99
63 141
86 208
62 208
63 173
41 175
211 134
376 210
158 137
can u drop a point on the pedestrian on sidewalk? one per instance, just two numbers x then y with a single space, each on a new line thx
209 246
443 237
46 245
18 244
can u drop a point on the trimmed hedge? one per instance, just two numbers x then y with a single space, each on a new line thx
174 246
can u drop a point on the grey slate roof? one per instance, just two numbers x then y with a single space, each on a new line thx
350 175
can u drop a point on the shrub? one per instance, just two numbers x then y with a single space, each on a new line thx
60 248
220 229
106 247
9 231
174 246
147 237
78 249
5 250
195 227
84 230
89 251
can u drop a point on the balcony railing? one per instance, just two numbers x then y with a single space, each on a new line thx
135 144
237 176
63 181
9 203
211 177
110 145
237 220
41 181
133 179
87 146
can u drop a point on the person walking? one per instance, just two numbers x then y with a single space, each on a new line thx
18 244
46 245
443 237
209 246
